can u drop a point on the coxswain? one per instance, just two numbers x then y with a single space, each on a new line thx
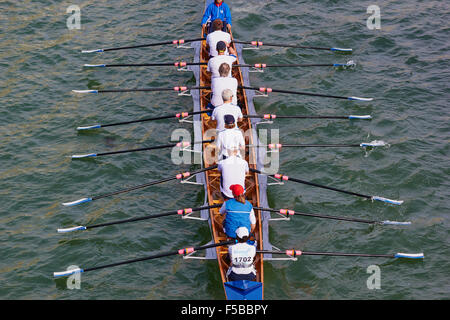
242 255
216 36
227 107
238 212
215 62
230 140
217 10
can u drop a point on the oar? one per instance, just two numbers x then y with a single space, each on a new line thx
181 144
152 183
349 64
179 64
183 251
278 146
176 42
176 64
260 44
269 116
294 253
178 115
286 178
268 90
178 89
288 212
180 212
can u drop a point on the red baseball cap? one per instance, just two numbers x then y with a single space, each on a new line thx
237 189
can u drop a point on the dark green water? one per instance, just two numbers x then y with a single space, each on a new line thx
404 66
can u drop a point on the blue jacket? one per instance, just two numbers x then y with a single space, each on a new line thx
214 12
238 215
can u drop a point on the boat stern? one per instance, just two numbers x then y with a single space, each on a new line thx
243 290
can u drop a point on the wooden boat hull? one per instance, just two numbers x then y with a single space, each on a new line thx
238 289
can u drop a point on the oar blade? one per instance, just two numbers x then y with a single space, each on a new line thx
342 49
364 117
80 156
66 230
85 91
397 202
94 65
359 99
92 51
76 202
67 273
410 255
396 223
375 143
96 126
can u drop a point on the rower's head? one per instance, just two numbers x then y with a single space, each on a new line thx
218 1
217 25
238 192
242 234
224 70
229 121
221 47
227 95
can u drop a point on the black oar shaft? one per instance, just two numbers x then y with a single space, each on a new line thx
151 119
318 185
149 184
298 92
315 215
296 117
148 89
159 255
138 149
151 44
336 254
320 145
152 216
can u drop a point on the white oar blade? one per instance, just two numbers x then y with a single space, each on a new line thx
360 99
91 51
89 127
67 273
85 91
375 143
342 49
410 255
396 223
397 202
76 202
79 156
71 229
365 117
94 65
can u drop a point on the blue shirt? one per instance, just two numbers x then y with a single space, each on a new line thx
238 215
214 12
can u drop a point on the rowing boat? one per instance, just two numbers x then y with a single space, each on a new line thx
209 176
236 289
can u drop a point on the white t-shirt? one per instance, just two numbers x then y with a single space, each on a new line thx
213 38
233 171
242 256
220 112
229 139
214 64
218 85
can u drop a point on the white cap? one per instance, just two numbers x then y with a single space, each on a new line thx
242 232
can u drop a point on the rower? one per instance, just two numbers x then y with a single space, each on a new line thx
216 36
238 211
230 139
227 107
241 255
215 62
217 10
224 81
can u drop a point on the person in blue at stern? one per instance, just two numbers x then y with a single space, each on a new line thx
218 10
